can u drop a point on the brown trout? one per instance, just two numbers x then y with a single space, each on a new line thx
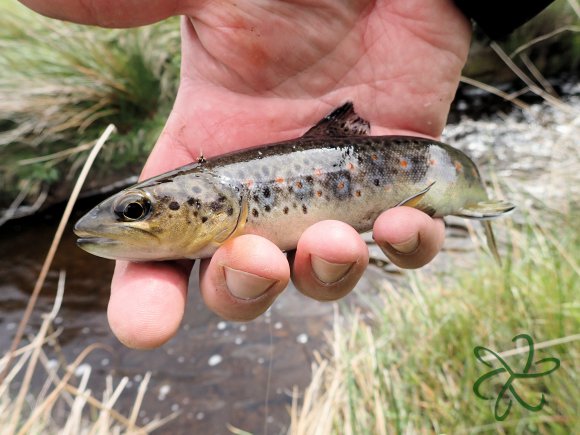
334 171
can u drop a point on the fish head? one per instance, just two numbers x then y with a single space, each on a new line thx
181 217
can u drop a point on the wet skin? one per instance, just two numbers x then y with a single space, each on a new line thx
398 60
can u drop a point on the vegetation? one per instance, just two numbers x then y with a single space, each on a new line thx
65 404
61 82
411 368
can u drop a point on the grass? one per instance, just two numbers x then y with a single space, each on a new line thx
64 404
410 367
61 82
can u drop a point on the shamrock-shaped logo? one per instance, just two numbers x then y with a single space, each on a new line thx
513 376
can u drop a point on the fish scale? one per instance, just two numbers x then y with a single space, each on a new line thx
335 171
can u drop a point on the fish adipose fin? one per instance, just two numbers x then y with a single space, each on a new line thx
486 210
342 121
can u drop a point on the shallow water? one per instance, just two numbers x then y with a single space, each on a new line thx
215 372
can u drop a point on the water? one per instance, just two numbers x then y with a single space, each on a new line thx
216 372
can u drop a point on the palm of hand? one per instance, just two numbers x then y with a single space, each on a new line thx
260 72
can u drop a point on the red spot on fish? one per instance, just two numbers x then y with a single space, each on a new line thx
298 184
374 157
358 193
458 167
340 185
318 172
319 193
432 162
350 166
279 180
403 163
249 183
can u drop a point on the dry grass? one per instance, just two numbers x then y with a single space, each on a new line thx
64 404
411 368
25 410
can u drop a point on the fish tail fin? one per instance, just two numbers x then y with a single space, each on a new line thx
491 244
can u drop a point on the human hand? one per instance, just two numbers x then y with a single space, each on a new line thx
258 72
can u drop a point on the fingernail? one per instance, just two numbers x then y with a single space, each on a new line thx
245 285
328 272
408 246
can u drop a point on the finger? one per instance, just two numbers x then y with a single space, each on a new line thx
147 302
107 13
330 259
409 237
244 277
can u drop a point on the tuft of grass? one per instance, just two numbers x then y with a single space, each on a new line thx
61 81
410 366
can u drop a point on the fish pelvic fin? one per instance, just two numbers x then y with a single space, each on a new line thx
413 201
490 209
342 121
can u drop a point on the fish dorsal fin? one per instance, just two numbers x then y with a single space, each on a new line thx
342 121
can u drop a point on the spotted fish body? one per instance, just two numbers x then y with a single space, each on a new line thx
335 171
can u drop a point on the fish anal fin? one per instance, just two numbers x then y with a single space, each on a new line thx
491 244
486 210
342 121
414 200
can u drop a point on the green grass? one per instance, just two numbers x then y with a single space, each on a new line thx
62 83
411 367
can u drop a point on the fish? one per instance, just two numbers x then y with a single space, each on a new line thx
336 170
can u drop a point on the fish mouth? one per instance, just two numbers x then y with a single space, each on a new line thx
92 240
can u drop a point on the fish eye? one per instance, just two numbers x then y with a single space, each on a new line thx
132 207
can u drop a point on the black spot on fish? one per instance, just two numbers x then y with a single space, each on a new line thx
222 198
204 219
194 202
255 212
174 205
230 211
304 209
286 210
377 182
294 205
265 196
267 208
195 214
216 206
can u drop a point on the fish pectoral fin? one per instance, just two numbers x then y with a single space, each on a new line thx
238 229
486 210
414 200
342 121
